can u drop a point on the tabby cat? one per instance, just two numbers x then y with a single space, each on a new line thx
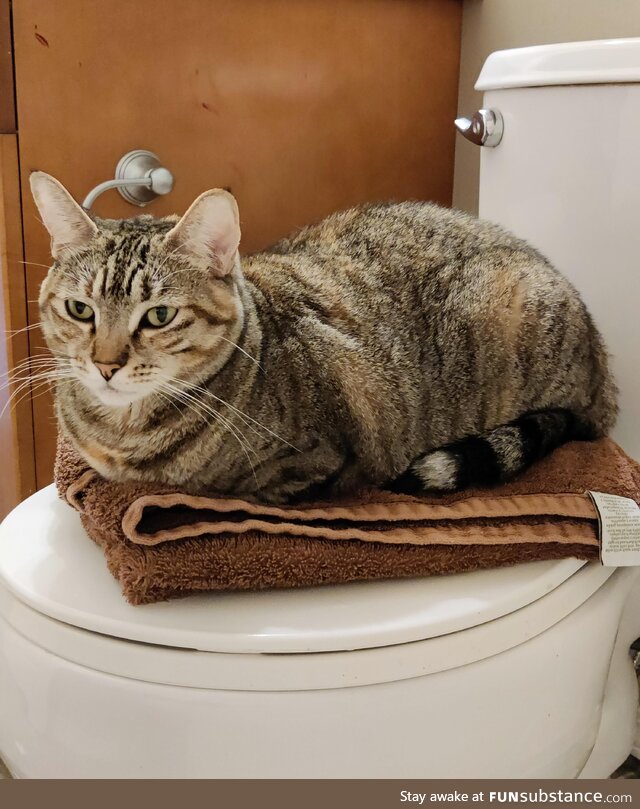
402 345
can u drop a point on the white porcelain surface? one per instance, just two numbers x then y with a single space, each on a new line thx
576 197
302 672
48 562
594 62
619 725
533 711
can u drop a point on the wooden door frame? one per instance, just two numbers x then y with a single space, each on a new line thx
17 448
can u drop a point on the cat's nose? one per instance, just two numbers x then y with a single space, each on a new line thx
107 369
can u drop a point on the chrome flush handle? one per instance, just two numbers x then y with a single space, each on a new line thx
484 128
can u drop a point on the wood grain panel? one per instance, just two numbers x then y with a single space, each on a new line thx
7 100
17 474
301 107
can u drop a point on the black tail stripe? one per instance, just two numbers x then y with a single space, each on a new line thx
543 431
477 464
531 440
407 483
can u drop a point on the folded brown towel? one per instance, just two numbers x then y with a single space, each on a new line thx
161 543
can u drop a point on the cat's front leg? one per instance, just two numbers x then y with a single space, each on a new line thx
304 475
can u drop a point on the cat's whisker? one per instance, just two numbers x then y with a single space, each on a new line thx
39 354
239 412
34 264
29 369
46 384
31 377
245 415
207 408
12 333
44 391
190 386
199 408
246 353
22 374
32 360
166 398
30 385
19 380
249 425
30 393
43 356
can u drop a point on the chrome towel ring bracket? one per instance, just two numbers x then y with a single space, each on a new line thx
140 178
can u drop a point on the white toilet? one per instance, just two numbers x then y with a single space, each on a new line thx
518 672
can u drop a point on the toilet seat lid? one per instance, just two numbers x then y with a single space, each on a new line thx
48 562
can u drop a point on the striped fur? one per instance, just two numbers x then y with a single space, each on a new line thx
371 347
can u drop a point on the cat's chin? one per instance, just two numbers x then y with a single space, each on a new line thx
116 398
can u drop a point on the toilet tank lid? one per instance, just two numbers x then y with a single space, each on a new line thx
603 61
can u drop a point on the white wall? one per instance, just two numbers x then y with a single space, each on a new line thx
490 25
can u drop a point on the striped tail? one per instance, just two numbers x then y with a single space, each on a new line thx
495 456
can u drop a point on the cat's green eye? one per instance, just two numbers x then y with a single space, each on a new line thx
79 310
159 316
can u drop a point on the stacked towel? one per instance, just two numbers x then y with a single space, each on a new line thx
161 543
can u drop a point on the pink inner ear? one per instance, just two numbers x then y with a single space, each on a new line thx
222 244
210 230
67 223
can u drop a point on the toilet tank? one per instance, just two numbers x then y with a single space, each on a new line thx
566 177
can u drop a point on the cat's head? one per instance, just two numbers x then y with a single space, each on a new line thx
130 306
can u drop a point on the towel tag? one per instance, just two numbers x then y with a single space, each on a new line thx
619 523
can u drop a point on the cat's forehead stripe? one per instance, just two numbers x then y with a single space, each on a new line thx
123 263
126 263
98 283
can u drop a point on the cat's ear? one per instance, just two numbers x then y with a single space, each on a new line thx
69 226
209 231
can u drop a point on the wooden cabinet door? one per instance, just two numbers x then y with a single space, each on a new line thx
17 473
300 107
